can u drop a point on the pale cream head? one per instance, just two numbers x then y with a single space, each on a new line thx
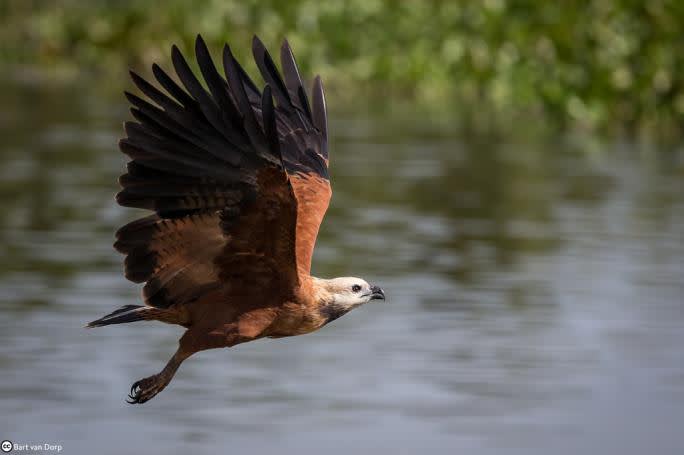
350 292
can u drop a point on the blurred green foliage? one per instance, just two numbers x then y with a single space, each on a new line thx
593 64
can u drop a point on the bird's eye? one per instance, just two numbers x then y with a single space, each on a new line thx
356 288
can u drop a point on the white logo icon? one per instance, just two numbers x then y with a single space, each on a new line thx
6 446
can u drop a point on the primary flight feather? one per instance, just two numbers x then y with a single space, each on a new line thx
239 186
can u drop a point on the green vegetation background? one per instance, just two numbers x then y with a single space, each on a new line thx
604 65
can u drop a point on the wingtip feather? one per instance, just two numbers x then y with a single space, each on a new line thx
320 116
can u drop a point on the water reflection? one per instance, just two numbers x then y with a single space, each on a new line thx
535 298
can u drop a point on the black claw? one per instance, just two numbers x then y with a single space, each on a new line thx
136 396
144 390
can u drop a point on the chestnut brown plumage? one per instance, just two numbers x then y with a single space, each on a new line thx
239 186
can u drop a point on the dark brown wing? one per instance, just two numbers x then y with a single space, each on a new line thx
215 166
303 134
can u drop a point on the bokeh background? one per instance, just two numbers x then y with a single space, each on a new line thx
511 172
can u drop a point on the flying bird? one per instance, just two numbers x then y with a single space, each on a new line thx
238 181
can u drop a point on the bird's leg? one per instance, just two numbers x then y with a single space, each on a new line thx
194 340
145 389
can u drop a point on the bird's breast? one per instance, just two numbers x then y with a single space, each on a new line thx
295 319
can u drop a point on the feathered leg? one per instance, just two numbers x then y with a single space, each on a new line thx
194 340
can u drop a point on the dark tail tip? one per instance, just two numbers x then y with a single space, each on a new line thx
127 313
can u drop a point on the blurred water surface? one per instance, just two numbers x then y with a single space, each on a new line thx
534 299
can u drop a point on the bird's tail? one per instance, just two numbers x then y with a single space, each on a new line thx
132 313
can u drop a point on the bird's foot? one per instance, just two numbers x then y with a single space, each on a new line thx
145 389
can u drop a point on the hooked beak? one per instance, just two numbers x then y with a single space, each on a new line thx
377 293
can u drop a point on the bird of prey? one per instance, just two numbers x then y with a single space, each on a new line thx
238 182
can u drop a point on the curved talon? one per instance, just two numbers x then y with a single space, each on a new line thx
145 389
134 394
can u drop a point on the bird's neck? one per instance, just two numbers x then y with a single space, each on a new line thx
332 311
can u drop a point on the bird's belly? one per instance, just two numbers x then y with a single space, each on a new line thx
294 322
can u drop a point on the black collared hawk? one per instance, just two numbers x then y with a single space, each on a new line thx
238 181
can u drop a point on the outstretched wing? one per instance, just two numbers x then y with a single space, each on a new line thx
218 167
303 134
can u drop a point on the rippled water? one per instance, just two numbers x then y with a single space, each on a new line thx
535 299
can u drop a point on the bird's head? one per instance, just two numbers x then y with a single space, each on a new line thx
346 293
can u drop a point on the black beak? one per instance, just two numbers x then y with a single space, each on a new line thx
377 293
